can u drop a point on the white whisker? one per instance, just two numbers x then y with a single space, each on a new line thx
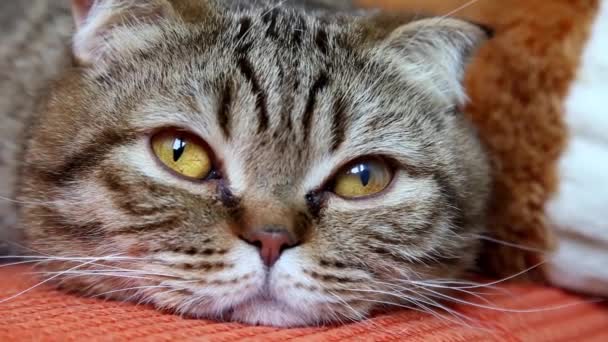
18 263
495 308
460 8
133 288
86 273
414 300
43 282
510 244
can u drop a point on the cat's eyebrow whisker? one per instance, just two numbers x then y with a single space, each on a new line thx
447 15
460 8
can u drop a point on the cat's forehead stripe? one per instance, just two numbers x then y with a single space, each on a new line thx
270 18
249 73
224 110
320 84
339 123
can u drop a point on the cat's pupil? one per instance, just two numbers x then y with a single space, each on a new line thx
364 173
365 176
179 146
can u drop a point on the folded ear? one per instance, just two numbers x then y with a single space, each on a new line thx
98 20
434 52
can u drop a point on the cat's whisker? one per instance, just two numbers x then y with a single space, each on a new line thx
62 258
19 263
470 293
479 295
146 287
417 301
89 273
419 307
404 288
461 287
509 310
510 244
503 280
142 299
44 282
110 274
111 268
358 315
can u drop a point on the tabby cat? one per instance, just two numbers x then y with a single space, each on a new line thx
277 163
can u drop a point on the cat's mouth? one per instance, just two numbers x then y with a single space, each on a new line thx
263 310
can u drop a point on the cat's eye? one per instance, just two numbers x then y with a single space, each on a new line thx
183 153
363 178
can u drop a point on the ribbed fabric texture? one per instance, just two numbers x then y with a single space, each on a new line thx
44 314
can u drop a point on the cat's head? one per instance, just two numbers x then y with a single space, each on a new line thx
261 165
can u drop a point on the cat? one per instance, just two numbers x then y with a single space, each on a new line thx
272 163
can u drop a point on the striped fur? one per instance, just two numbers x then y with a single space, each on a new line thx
284 96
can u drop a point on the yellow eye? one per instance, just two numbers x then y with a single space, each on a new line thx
362 179
182 153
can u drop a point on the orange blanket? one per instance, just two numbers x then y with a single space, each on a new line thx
44 314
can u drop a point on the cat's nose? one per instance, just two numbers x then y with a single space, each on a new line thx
271 242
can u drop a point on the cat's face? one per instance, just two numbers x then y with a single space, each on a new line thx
264 166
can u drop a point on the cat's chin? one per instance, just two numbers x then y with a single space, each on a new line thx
268 312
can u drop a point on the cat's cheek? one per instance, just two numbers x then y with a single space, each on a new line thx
231 291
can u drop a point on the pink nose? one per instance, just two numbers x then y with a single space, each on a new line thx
271 243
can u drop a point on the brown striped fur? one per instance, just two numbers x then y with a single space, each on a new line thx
282 109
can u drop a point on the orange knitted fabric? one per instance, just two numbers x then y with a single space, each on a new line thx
44 314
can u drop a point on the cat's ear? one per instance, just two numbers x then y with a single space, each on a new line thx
435 52
98 20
